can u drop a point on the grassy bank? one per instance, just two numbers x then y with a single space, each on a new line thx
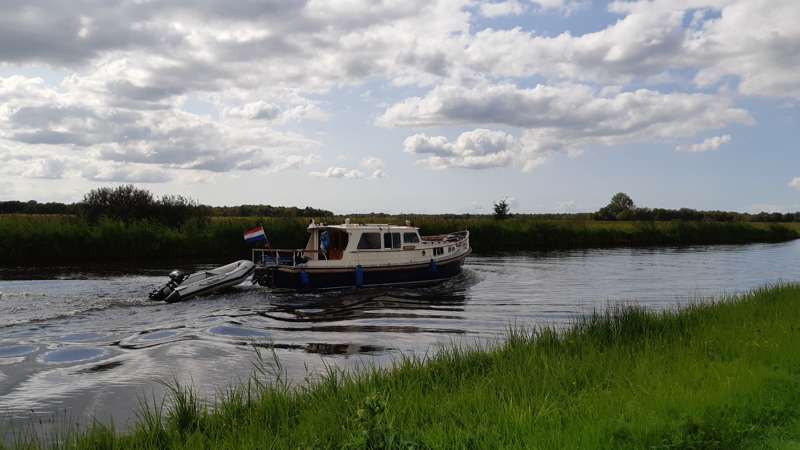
512 234
45 239
715 376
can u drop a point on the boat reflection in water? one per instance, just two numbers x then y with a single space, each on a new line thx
368 317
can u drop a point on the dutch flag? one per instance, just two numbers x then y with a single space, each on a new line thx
255 234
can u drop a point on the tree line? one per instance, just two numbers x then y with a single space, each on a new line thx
268 211
128 203
622 207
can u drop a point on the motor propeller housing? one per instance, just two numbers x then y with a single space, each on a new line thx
178 276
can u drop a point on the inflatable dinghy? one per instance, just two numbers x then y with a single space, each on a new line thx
183 285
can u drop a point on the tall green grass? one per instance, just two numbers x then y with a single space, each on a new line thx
714 376
488 235
56 239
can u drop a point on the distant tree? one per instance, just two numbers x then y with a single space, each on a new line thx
502 210
622 202
129 203
124 203
175 210
621 207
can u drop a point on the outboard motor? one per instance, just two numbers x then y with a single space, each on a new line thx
263 276
176 277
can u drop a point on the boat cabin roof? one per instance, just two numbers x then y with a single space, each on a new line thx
364 227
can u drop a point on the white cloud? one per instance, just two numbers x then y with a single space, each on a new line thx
375 165
795 183
124 97
125 173
477 149
576 107
294 162
372 162
755 41
565 118
635 46
259 110
45 168
503 8
270 112
338 172
169 49
53 166
40 120
565 6
712 143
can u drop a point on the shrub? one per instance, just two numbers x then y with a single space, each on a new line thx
128 204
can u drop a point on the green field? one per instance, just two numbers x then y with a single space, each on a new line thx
42 239
723 375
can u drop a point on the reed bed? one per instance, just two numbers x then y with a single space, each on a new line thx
717 376
26 239
523 233
43 239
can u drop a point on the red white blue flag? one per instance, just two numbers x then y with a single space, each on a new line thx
255 234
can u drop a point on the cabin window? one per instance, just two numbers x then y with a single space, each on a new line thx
410 238
369 241
391 240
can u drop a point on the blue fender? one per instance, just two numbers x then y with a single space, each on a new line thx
305 278
359 275
433 267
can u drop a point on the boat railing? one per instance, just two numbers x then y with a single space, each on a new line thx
282 256
449 237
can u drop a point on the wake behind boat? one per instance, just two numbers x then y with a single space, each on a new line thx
356 255
183 285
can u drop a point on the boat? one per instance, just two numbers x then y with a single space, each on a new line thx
362 255
183 285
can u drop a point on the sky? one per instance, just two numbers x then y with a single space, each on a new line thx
405 106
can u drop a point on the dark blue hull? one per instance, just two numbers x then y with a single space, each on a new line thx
310 279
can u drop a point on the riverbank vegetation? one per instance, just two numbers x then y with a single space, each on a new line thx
54 239
722 375
126 223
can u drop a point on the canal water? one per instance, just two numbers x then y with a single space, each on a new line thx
83 344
